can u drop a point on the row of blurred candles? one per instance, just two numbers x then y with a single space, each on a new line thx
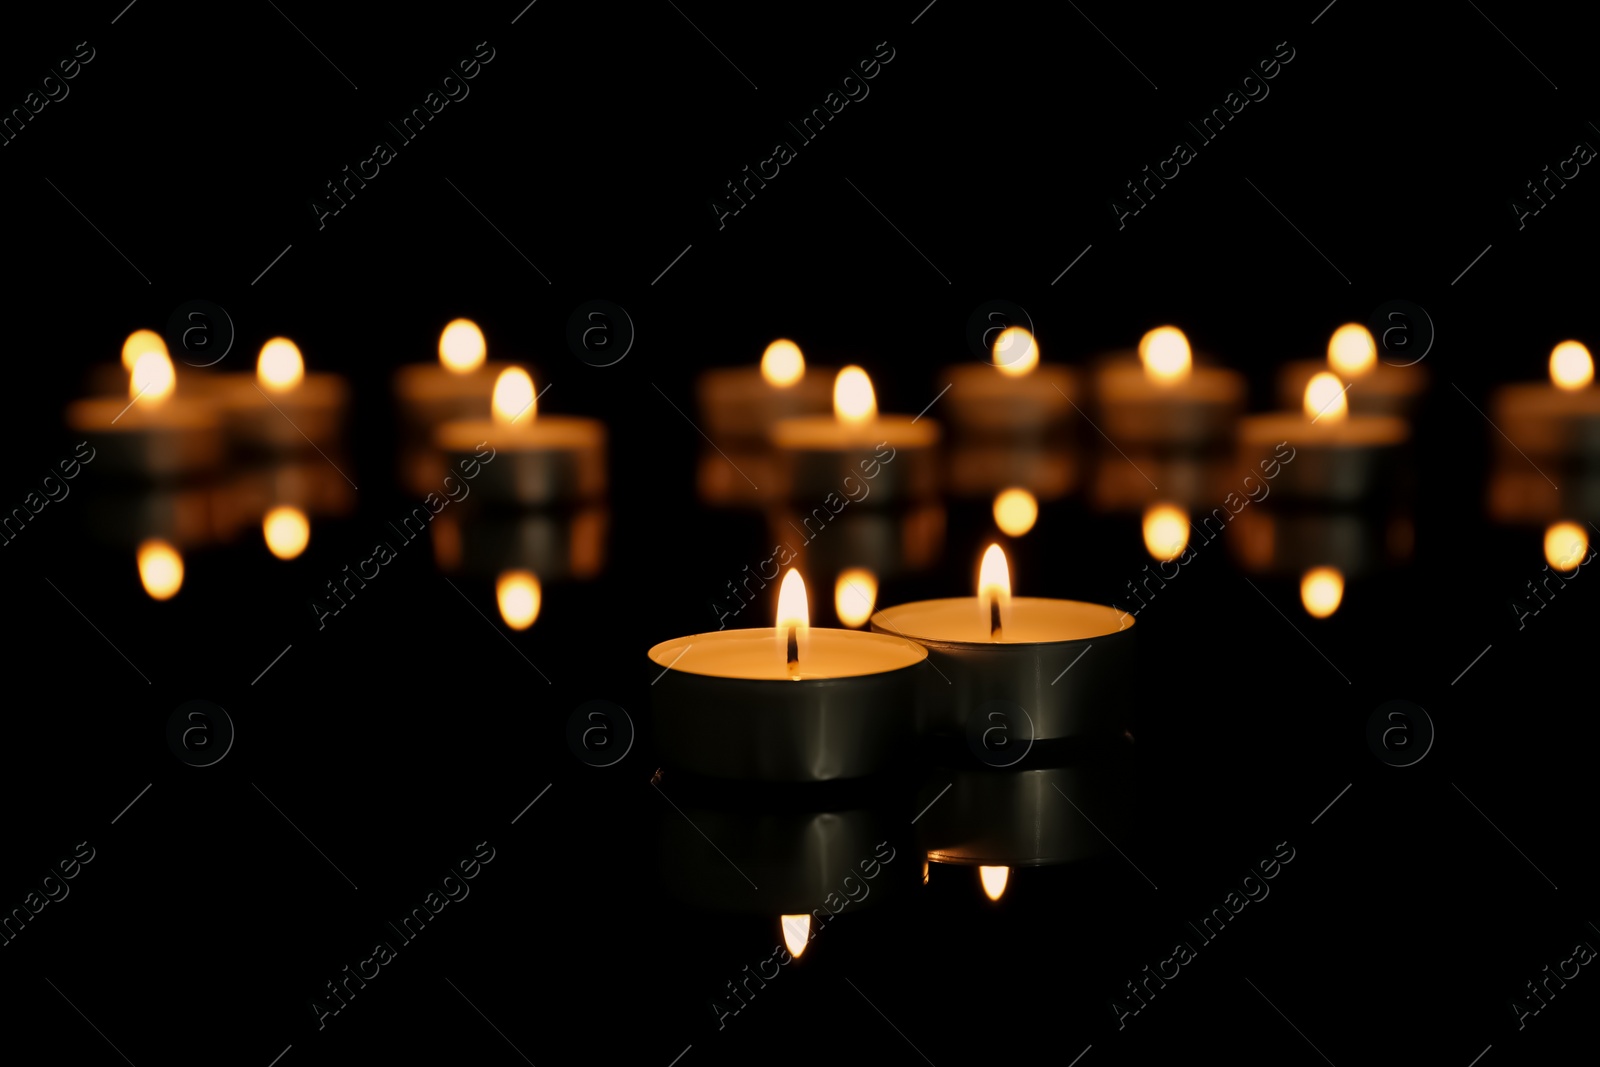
803 431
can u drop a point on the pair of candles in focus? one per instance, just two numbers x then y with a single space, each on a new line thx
795 702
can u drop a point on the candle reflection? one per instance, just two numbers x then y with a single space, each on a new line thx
1565 545
1166 531
994 880
1321 591
160 569
287 531
1015 512
518 596
796 933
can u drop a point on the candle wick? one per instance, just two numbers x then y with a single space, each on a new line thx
793 644
994 618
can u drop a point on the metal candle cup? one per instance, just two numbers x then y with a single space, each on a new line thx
1385 389
429 394
1196 411
726 705
986 403
179 436
1334 461
739 404
1042 662
547 460
818 452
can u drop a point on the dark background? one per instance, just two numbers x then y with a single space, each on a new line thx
406 731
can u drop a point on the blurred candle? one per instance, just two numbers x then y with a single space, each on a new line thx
458 386
1322 452
282 408
1166 531
820 452
1376 387
1166 400
740 404
854 595
1015 396
1560 418
149 432
523 457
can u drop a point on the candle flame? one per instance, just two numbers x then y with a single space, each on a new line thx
279 366
517 594
1015 512
1321 591
854 595
782 364
1164 351
287 531
1166 531
854 402
994 589
160 569
1325 398
1015 351
796 933
994 880
461 347
794 620
138 343
1351 350
1571 366
153 378
1565 544
514 398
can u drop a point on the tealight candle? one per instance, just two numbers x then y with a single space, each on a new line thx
742 403
1324 453
1015 396
1164 399
459 386
1022 651
537 459
281 408
823 455
1558 419
109 379
789 703
153 434
1376 388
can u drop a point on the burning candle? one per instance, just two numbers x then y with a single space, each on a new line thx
1023 651
459 386
1165 399
537 459
792 702
1559 419
1014 396
740 404
1323 452
281 408
1376 388
825 455
153 433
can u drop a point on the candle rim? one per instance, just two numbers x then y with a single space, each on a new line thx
768 633
1016 601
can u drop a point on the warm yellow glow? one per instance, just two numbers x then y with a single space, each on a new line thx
796 933
160 569
517 593
1571 366
1015 351
514 398
287 531
1351 350
924 872
1565 545
782 364
1321 591
1015 512
138 343
994 880
1325 398
794 613
279 366
1166 531
461 347
994 585
854 595
153 378
854 402
1164 351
